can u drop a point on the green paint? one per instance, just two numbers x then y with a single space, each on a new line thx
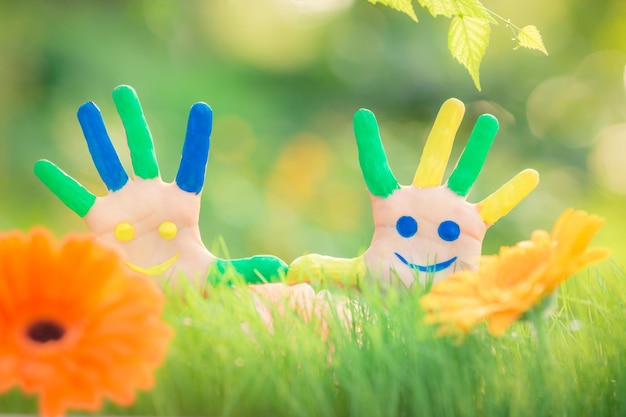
259 269
374 166
473 157
66 188
137 132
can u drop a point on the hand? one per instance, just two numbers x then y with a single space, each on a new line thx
154 223
424 231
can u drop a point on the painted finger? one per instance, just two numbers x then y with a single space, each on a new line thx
438 146
137 132
100 147
67 189
473 157
509 195
374 166
192 169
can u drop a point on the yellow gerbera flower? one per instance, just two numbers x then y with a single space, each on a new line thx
510 283
76 325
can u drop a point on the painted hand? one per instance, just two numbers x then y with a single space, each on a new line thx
424 231
154 223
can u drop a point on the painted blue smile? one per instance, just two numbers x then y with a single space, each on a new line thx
430 268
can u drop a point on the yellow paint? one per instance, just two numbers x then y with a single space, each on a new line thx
124 232
438 146
314 268
155 270
168 230
501 201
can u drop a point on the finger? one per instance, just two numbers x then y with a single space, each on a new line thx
505 198
67 189
137 132
374 166
100 147
314 268
473 157
192 167
439 144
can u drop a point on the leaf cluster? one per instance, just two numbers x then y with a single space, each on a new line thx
470 29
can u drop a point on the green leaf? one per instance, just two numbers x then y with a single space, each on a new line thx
467 40
451 8
529 37
445 8
403 6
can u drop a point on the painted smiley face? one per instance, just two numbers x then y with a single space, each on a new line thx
448 230
423 234
125 232
155 225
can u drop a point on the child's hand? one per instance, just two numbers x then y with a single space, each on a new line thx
424 230
154 223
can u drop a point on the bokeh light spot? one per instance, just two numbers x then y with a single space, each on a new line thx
607 161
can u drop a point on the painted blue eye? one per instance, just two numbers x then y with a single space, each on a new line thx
449 230
406 226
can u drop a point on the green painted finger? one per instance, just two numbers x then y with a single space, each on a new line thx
67 189
137 132
372 158
473 157
259 269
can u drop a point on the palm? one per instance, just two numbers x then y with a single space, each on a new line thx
154 223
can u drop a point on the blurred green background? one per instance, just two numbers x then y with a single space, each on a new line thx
284 78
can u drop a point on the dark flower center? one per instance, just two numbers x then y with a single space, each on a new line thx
45 331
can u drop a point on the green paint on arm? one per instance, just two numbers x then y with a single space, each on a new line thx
259 269
374 166
473 157
67 189
137 132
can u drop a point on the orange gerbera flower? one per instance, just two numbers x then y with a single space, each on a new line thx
76 326
510 283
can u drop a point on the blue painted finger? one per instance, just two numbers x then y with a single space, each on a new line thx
100 147
192 168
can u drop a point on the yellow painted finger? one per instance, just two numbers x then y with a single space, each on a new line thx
505 198
439 144
314 268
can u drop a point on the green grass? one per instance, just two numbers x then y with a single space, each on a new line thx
387 363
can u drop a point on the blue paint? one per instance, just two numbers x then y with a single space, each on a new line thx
430 268
100 147
449 230
406 226
192 168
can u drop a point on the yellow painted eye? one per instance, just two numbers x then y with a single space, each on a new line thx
124 232
168 230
